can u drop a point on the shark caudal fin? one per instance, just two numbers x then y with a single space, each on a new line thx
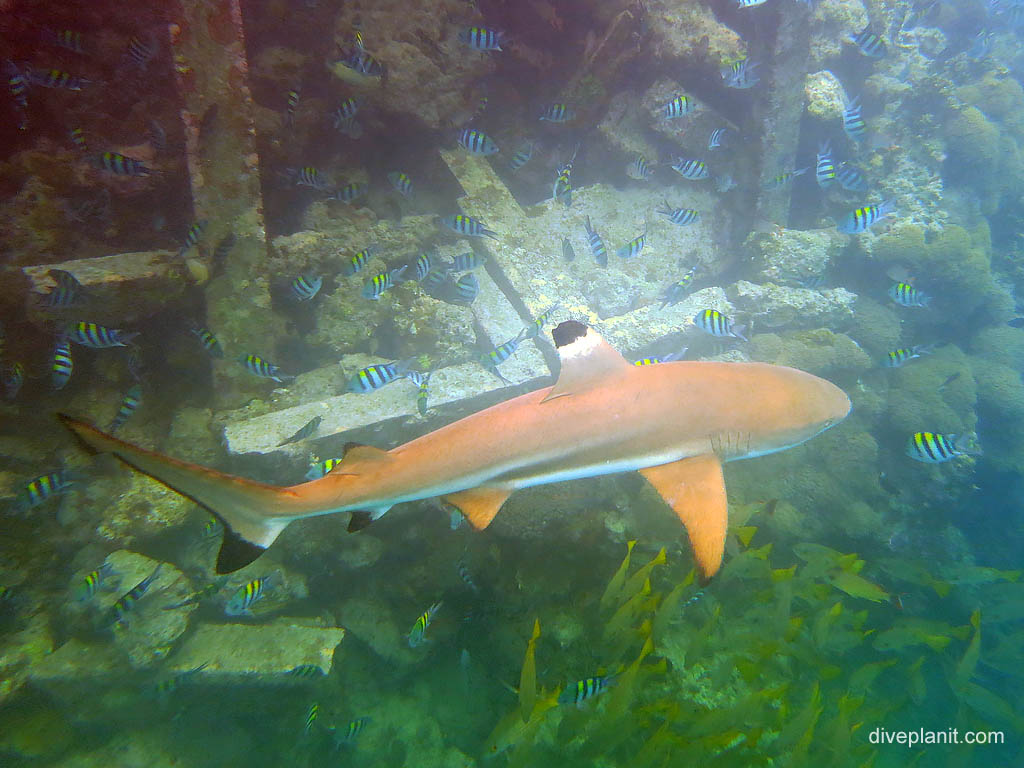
253 514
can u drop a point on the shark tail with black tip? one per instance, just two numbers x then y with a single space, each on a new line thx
253 514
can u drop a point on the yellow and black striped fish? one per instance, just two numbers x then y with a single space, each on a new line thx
933 448
247 595
418 633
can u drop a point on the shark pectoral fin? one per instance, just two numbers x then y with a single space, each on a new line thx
253 514
695 489
479 505
587 359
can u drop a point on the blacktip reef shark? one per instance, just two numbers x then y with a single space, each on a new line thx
675 423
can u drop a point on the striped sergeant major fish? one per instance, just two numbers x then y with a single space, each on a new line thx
77 136
43 488
639 169
562 188
93 582
907 295
122 165
522 156
380 284
99 336
870 44
192 237
356 262
129 599
292 99
247 595
422 265
418 633
853 122
321 468
715 323
305 287
897 358
312 715
860 220
351 191
680 216
363 65
532 331
346 111
257 366
825 166
482 38
207 340
784 178
491 360
558 113
463 262
56 78
671 357
63 364
467 225
690 169
373 377
401 182
583 690
306 672
596 244
423 390
308 176
677 106
141 52
68 39
130 403
67 290
305 431
683 420
716 138
169 685
351 731
477 142
742 74
464 290
933 448
678 290
851 178
633 247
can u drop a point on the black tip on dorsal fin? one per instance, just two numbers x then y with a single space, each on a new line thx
359 520
567 332
236 552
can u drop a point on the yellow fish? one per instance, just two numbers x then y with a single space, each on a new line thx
528 675
636 581
612 593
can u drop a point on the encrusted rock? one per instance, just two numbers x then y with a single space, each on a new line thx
825 95
775 306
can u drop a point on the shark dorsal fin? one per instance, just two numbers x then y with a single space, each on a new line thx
587 359
360 452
